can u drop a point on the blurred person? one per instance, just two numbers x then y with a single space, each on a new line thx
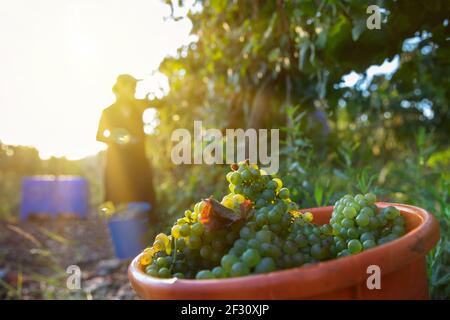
128 174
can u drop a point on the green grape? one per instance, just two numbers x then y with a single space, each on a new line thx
391 237
336 226
354 246
180 243
326 229
308 216
181 221
239 269
272 185
159 245
274 252
340 245
255 172
238 198
318 252
366 236
266 264
261 219
185 230
240 246
228 176
278 182
228 203
343 232
268 194
245 233
352 233
362 219
276 228
204 275
349 212
246 175
152 271
260 203
180 265
247 192
179 275
370 197
292 206
284 193
381 220
164 273
344 253
274 216
265 248
369 244
188 214
175 231
301 241
362 203
227 261
236 178
316 231
218 272
348 223
251 257
238 190
197 229
367 211
355 206
373 222
194 242
254 244
312 238
398 230
162 262
264 236
290 247
391 212
206 252
233 252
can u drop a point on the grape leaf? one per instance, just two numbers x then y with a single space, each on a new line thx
216 216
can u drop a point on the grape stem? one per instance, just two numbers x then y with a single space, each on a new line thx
174 255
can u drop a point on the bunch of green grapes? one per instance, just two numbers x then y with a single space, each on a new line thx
255 185
189 247
358 224
315 242
260 248
272 235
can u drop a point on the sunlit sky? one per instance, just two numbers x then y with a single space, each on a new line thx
60 58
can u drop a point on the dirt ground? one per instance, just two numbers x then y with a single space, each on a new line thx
35 255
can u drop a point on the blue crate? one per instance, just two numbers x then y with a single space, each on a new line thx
71 196
54 195
129 229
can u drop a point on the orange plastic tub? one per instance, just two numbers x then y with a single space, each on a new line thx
401 264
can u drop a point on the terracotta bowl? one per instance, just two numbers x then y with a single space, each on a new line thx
401 265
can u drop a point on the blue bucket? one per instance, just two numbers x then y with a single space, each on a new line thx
129 229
